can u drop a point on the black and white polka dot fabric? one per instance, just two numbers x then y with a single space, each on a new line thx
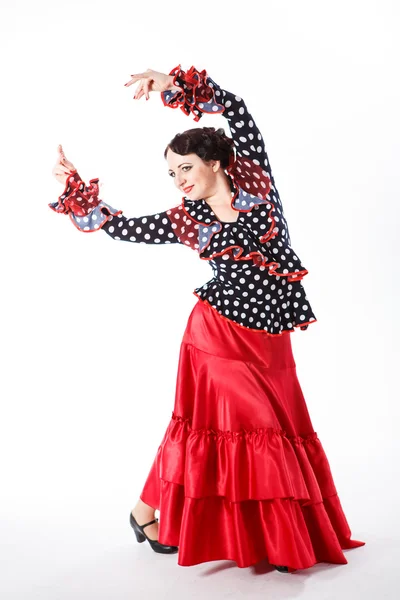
260 233
257 276
243 288
150 229
246 287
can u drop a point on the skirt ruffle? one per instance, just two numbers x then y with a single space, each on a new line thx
240 473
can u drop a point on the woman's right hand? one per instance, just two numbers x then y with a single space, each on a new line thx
151 81
63 167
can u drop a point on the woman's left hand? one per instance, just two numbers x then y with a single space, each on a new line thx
150 81
63 167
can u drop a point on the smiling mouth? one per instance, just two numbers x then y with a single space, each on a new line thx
186 190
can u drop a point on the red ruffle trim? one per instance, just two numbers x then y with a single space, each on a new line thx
256 256
194 91
81 203
78 198
247 496
280 530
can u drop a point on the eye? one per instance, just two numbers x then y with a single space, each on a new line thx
172 174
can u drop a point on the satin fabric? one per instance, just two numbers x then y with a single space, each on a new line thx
240 473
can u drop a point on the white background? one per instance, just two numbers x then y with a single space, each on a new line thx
91 327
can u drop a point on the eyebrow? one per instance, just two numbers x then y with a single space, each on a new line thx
169 170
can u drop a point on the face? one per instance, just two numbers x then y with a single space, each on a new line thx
190 171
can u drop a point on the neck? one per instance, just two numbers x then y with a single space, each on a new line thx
222 194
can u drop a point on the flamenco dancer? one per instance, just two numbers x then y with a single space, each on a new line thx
240 473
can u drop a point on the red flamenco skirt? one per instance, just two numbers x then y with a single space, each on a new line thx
240 473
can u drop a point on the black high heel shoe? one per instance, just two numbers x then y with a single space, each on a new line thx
141 537
283 569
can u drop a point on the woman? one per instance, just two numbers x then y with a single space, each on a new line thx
240 473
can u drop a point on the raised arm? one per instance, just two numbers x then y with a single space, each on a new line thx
88 213
197 93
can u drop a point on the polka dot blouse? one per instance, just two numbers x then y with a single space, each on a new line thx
257 276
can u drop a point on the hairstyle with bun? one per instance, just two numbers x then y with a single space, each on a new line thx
207 142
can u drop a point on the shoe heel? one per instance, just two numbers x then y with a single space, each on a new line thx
139 536
138 529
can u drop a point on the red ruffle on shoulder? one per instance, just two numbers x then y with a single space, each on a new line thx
191 228
251 178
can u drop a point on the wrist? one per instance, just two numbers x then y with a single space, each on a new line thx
171 86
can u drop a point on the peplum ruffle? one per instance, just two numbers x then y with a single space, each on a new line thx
215 293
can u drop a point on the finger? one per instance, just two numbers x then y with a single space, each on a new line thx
133 80
61 151
63 168
67 164
61 176
138 91
63 159
63 164
146 88
140 75
62 172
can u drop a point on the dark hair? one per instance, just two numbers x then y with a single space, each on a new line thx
207 142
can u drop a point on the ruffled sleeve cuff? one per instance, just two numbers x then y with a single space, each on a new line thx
81 202
196 95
